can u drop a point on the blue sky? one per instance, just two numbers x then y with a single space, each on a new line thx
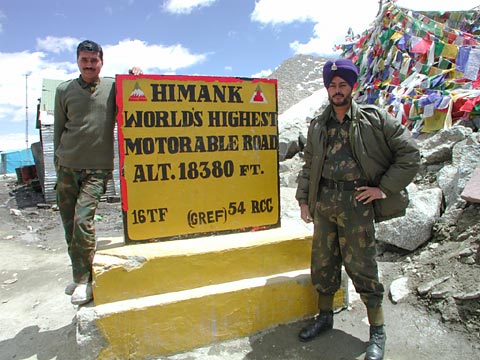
205 37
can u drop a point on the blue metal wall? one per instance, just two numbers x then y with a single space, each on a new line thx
10 160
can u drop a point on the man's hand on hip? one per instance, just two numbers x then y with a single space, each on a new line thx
368 194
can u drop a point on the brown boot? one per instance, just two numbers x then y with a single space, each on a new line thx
376 345
322 323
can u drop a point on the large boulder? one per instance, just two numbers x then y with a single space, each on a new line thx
415 228
438 148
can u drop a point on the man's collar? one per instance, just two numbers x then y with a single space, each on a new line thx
85 84
348 114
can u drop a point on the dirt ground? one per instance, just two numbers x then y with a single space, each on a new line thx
37 320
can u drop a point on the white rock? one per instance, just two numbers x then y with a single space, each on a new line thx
399 289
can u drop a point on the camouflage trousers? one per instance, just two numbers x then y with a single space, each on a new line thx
78 194
344 233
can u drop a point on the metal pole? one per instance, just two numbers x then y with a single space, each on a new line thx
26 110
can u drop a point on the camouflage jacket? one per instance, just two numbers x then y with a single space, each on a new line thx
384 149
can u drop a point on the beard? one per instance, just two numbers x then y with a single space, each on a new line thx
340 101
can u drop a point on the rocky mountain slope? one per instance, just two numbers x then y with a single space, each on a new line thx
298 78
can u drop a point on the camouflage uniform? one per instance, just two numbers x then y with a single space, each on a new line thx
373 149
78 194
343 226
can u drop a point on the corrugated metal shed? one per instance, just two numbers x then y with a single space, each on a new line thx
47 102
47 174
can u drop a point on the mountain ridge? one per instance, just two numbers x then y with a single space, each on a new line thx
298 77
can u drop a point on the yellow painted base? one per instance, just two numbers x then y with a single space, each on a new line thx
177 322
129 272
163 298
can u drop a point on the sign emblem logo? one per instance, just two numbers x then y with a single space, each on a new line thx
258 96
137 94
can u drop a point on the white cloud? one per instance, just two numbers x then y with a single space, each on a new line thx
15 86
17 141
262 74
57 45
186 6
284 12
314 46
331 23
19 92
151 58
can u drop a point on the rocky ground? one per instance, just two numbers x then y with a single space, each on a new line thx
438 318
446 272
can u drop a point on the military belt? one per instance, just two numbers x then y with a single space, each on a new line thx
342 185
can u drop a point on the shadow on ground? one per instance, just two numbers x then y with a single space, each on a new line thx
333 345
33 343
28 195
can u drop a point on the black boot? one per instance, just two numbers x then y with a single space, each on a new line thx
323 322
376 345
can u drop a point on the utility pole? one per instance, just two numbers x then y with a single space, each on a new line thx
26 110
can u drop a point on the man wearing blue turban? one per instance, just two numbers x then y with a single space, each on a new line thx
358 162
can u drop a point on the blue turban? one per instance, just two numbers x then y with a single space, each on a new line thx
344 68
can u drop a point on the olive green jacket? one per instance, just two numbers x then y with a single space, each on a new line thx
384 149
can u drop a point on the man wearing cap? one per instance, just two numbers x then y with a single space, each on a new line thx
358 162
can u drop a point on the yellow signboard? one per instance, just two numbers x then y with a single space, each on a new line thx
198 155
